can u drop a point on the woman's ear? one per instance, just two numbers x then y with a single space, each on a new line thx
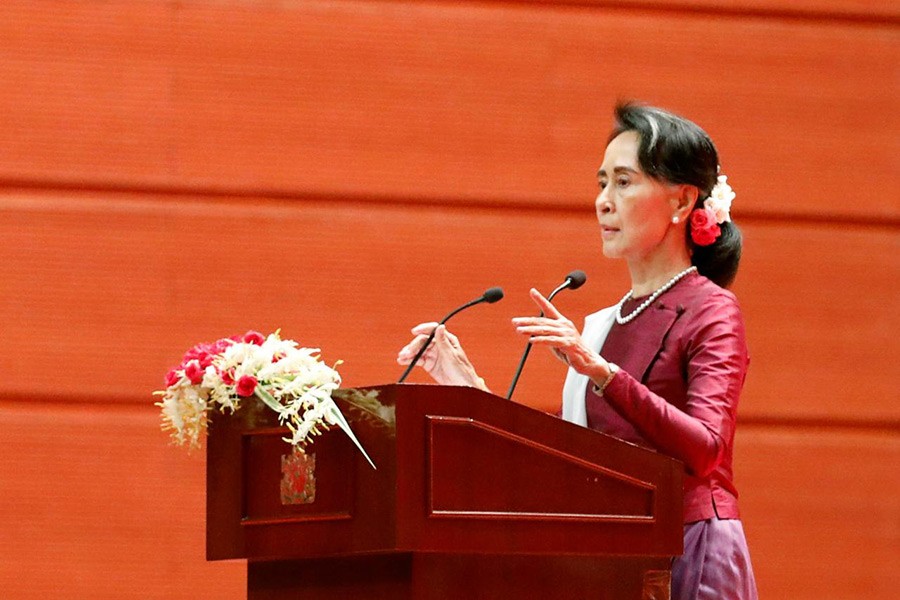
683 200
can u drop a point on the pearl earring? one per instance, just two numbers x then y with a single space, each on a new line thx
675 219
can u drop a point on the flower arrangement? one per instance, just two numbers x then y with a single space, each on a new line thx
716 210
290 380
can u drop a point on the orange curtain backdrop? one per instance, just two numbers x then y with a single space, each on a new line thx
175 172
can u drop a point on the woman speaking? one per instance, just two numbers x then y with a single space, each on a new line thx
664 367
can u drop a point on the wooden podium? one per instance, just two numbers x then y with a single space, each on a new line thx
474 497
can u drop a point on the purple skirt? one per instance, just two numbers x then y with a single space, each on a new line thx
715 564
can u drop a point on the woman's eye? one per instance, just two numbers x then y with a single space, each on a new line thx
602 184
622 181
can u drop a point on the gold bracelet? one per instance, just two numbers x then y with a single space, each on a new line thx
613 369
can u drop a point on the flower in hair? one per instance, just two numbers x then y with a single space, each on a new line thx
719 201
716 210
704 229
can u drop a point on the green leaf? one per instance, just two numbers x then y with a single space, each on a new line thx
333 409
268 400
342 423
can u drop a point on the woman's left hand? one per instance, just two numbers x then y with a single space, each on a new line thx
559 334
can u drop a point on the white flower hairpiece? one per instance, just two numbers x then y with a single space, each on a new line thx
719 202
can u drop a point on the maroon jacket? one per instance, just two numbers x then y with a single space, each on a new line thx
683 362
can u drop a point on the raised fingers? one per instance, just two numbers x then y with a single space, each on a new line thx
424 328
406 354
442 342
545 305
532 326
421 333
451 339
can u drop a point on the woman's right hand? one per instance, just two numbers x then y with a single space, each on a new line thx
444 360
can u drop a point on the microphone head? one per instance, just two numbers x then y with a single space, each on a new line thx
492 295
576 279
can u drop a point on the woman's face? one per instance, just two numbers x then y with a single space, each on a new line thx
635 211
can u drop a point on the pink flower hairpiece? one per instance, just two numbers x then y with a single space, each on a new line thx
704 222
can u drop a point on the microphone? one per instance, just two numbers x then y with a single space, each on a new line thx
490 296
574 280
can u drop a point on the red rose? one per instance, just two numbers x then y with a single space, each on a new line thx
221 346
205 359
704 229
227 377
194 371
245 386
254 337
172 377
202 353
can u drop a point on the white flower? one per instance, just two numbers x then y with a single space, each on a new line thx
211 378
292 381
719 202
184 413
300 432
291 360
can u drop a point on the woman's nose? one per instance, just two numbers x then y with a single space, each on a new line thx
602 203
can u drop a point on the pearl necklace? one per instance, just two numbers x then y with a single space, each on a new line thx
622 320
